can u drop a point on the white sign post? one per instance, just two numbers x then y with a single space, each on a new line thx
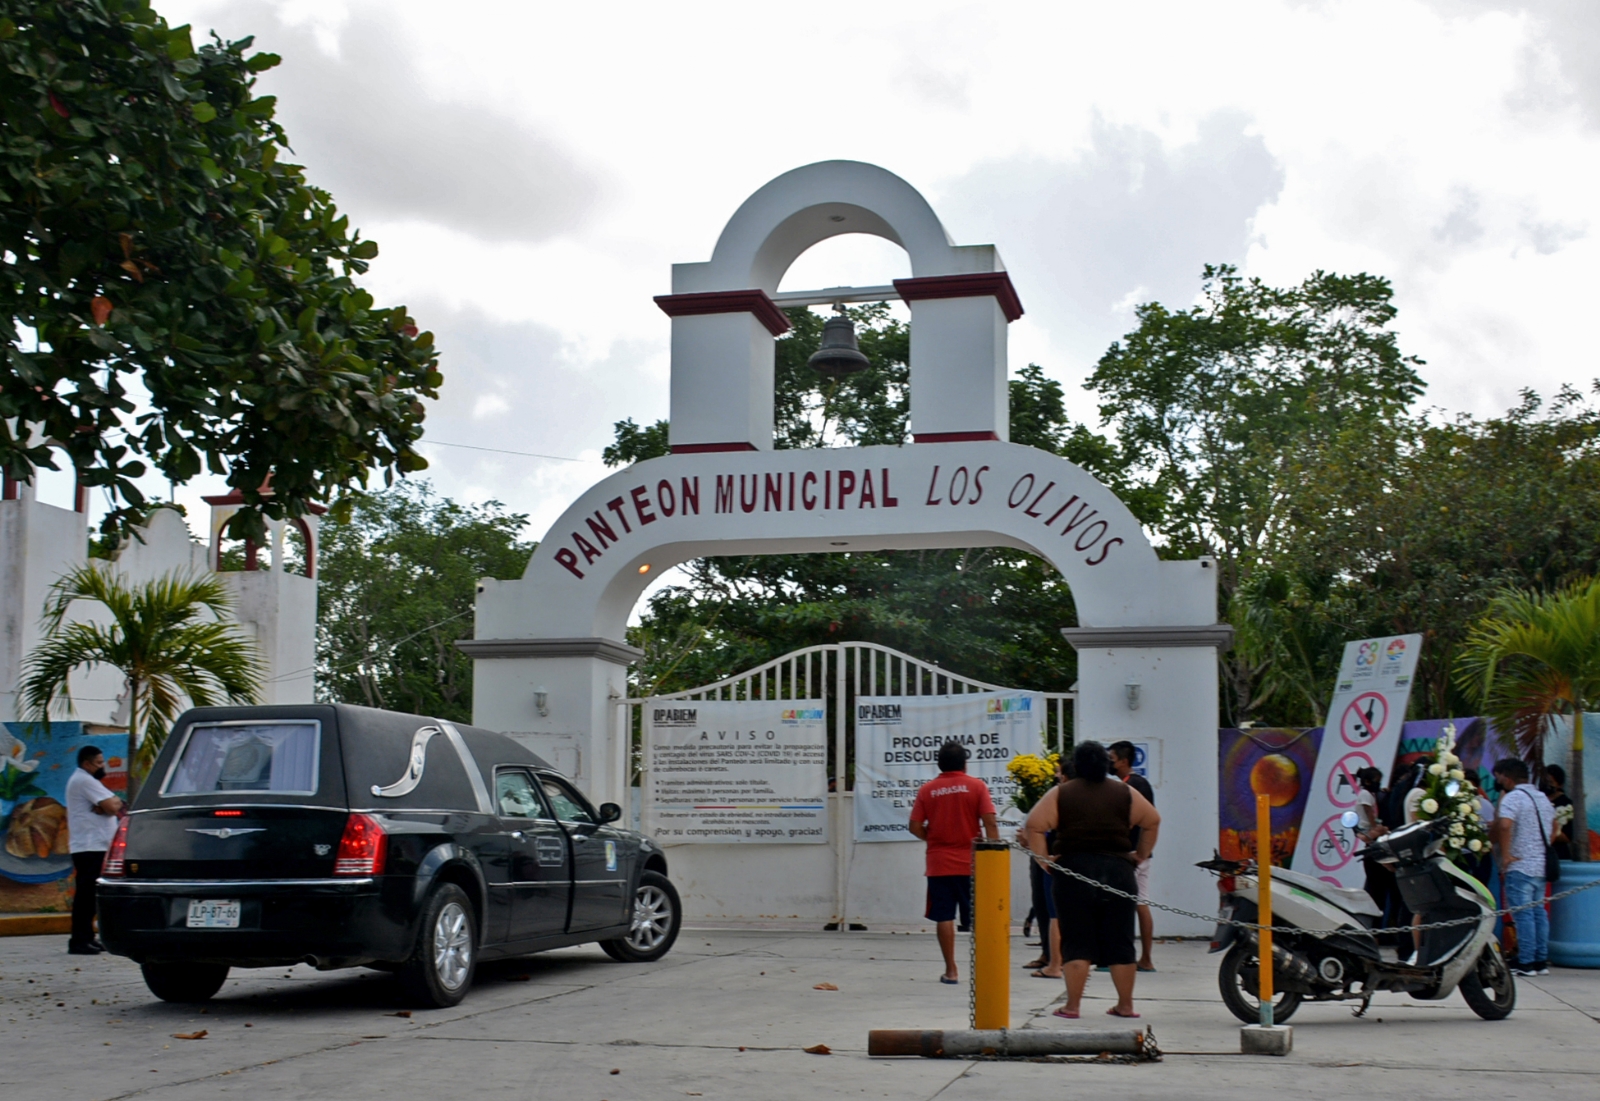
736 771
897 750
1363 730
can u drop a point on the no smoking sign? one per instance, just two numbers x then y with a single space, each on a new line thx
1364 719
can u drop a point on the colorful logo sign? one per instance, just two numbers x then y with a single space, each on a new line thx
804 715
1009 704
1396 650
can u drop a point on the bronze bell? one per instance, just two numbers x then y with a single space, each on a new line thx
839 355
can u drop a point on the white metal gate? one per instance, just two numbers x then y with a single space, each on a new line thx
835 674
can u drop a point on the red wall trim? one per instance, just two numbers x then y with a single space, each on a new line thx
756 302
976 285
701 448
12 489
952 437
80 498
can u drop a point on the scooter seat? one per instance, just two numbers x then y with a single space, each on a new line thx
1352 899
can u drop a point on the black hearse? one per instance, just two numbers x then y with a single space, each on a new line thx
344 836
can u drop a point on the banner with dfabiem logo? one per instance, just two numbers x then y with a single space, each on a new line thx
1363 730
897 750
736 771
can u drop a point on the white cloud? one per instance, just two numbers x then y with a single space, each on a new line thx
532 171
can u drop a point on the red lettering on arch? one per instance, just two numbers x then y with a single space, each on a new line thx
570 561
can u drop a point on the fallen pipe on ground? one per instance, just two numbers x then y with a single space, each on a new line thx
943 1043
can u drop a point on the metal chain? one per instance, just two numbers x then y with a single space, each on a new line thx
1292 928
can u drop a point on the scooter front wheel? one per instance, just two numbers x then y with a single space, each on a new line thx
1489 988
1240 983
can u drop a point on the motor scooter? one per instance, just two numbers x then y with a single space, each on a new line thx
1331 954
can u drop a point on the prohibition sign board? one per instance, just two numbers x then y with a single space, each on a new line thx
1330 847
1364 719
1342 779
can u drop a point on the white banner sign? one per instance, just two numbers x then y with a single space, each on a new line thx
1363 729
736 771
897 750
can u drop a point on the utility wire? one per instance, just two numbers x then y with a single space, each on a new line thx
503 451
369 657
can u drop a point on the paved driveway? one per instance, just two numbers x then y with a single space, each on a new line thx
725 1016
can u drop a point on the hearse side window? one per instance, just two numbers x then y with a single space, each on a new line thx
516 796
568 804
276 757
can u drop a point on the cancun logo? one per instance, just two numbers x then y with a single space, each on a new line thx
1396 650
1009 704
803 715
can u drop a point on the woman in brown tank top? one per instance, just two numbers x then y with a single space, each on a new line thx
1092 817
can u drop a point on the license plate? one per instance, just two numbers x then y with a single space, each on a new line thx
213 913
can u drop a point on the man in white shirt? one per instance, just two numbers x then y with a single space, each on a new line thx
1521 833
92 810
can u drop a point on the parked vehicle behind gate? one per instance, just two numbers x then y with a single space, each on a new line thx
344 836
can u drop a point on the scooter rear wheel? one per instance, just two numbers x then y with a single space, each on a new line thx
1489 988
1238 980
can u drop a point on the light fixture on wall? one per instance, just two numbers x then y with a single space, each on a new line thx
838 356
645 568
541 702
1133 695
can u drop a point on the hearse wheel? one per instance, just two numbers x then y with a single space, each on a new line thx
439 972
656 917
184 982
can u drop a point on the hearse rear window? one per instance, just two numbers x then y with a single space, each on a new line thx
272 757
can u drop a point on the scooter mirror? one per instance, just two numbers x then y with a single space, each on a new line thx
1349 819
1453 788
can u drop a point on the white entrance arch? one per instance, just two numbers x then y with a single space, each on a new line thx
550 647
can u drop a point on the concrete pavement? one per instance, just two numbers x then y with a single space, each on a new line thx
726 1015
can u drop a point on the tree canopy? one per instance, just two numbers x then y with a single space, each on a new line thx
397 582
175 296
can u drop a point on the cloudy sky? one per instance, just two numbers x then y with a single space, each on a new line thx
531 171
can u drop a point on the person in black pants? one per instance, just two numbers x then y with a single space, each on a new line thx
92 811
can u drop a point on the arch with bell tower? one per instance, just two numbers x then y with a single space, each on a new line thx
550 652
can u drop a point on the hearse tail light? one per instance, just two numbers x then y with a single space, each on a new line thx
363 847
115 855
227 814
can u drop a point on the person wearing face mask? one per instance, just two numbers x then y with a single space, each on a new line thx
92 811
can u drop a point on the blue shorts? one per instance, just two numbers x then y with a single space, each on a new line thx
946 895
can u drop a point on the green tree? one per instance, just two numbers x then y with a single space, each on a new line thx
1416 525
149 232
1218 409
396 586
171 638
1532 656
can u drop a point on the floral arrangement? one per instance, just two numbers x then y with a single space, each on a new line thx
1563 816
1035 775
1468 835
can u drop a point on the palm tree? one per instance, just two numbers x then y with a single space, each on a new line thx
1533 656
161 639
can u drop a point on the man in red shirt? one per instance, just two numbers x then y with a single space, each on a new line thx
947 813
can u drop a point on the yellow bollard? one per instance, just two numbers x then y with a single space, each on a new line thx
991 935
1264 890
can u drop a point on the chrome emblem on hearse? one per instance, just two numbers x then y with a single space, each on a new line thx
413 775
228 831
322 850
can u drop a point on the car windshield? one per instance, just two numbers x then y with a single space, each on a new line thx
246 757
